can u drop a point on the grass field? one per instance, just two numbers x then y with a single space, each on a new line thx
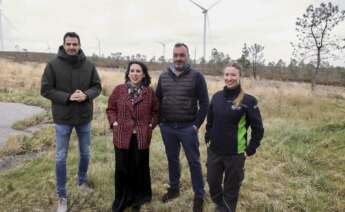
298 167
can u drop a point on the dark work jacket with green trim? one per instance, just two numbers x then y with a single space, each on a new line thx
227 124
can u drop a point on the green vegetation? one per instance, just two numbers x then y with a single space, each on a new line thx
299 166
29 97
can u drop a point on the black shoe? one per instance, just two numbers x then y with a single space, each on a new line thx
222 208
171 194
136 208
198 204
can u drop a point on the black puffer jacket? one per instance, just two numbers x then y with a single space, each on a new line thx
62 76
183 98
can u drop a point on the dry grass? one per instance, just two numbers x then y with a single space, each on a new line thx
24 76
299 166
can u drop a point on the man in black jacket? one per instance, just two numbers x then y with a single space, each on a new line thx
71 82
183 96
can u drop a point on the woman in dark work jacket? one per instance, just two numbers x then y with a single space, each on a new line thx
132 112
230 114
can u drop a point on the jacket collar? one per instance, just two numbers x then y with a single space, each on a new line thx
72 59
172 70
140 98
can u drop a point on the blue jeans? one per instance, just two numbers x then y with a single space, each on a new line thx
63 133
173 136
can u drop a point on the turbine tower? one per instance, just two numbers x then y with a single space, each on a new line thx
163 46
205 11
99 47
1 28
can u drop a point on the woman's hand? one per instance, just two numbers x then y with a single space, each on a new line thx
115 124
207 138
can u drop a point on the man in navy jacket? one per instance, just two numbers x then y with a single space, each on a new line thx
183 96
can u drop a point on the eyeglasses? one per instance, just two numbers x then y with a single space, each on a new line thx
71 44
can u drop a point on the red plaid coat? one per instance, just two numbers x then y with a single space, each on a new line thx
140 114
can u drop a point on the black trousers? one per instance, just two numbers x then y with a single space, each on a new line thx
132 177
224 193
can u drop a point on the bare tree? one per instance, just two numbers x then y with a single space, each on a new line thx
219 58
256 55
316 42
243 60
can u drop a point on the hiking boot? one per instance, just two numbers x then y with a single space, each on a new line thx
222 208
171 194
62 205
84 188
136 208
198 204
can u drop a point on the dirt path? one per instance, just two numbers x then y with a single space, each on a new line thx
11 113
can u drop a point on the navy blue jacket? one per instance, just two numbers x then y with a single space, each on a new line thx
227 124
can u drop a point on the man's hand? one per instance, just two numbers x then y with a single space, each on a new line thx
73 97
78 96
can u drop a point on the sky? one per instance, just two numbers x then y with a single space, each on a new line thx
140 26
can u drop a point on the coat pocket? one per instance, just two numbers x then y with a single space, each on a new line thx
86 109
149 133
61 112
115 133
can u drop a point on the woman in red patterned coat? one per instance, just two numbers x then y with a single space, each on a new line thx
133 111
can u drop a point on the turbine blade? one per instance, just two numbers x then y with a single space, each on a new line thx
217 2
11 24
198 5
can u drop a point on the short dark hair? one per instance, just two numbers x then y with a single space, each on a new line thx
182 45
236 66
72 35
147 79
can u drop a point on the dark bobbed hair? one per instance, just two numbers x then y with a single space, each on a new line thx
72 35
147 79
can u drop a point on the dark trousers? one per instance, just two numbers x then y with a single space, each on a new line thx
225 192
132 177
173 137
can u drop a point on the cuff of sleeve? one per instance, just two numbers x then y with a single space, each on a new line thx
67 99
111 122
88 95
196 124
250 151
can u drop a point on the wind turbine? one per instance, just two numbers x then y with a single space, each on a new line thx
1 28
163 46
99 47
205 11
